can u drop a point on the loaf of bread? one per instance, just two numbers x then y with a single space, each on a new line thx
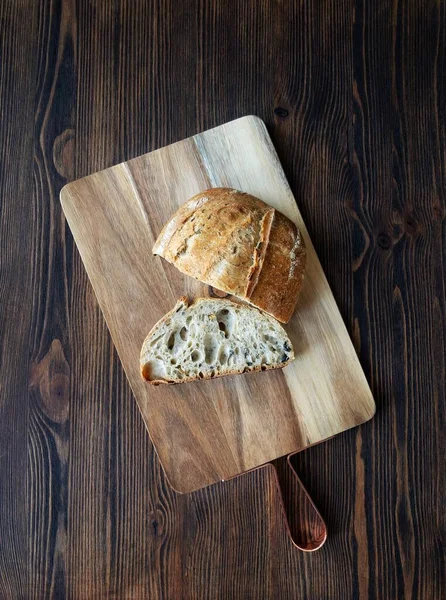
240 245
212 338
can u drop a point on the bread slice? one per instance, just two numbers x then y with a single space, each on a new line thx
240 245
212 338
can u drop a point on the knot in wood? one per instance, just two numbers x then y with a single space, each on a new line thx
51 379
281 112
63 154
384 241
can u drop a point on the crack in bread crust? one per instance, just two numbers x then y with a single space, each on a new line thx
240 245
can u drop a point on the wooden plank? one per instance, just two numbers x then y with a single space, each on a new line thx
216 429
19 265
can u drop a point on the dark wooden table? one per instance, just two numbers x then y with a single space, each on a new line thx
353 94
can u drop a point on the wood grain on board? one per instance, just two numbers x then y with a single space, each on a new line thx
212 430
353 97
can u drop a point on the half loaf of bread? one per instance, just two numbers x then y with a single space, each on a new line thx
212 338
240 245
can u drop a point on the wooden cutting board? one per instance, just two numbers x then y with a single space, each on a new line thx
212 430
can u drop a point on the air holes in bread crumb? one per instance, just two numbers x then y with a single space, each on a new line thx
225 321
223 356
210 349
195 356
171 341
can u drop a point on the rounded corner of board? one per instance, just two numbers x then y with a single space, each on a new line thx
372 412
256 119
65 193
179 486
368 413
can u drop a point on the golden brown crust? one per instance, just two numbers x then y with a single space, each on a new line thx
237 243
213 237
260 252
281 277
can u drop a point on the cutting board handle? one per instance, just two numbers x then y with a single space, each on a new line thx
306 527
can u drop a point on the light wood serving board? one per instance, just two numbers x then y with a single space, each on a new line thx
212 430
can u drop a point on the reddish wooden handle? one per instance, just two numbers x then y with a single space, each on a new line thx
306 527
